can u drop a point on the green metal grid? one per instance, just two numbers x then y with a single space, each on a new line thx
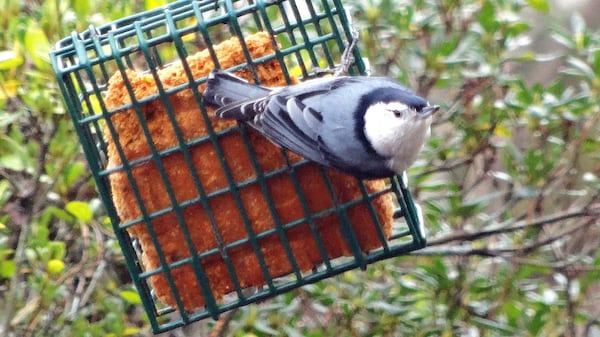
311 34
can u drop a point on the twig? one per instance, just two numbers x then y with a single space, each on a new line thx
447 167
30 207
571 332
487 252
556 265
93 281
466 235
15 280
220 328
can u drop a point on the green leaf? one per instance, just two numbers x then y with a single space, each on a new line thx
487 17
82 8
150 4
57 249
130 296
538 321
7 267
385 307
130 331
578 24
539 5
563 38
579 68
291 332
493 325
17 158
8 89
513 312
80 210
73 172
9 59
37 45
58 212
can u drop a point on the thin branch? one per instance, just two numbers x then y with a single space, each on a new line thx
505 252
31 207
93 281
447 167
467 235
222 325
76 299
571 331
15 280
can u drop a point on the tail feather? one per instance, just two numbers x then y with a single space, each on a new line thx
223 88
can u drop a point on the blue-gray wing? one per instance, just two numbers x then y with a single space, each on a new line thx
288 118
286 121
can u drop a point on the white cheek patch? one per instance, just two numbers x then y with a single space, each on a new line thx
398 138
383 129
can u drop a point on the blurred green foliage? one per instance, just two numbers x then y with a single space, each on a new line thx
509 184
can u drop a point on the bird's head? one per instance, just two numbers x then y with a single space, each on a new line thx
397 124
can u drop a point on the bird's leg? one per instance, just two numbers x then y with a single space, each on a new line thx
345 62
347 58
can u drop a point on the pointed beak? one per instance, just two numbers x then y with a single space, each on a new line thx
429 110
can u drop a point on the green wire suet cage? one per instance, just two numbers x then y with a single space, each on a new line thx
305 36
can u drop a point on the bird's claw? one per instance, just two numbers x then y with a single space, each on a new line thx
347 56
346 60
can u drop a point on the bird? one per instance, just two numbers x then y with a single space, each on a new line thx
366 126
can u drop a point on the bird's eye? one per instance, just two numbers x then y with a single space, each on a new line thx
397 113
419 109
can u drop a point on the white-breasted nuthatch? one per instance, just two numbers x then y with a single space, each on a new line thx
369 127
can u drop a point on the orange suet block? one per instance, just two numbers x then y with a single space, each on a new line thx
226 213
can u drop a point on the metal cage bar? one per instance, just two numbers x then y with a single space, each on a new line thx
308 34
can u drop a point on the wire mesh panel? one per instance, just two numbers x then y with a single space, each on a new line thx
210 215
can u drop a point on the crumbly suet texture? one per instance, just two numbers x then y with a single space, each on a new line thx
224 209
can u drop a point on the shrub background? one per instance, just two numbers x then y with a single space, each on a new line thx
509 183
